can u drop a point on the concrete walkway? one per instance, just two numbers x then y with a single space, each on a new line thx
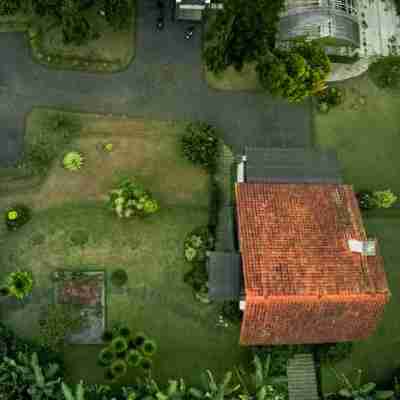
164 82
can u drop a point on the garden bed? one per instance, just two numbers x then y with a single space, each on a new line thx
86 291
154 299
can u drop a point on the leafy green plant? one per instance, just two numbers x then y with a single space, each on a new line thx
117 13
359 391
119 368
59 321
146 364
119 344
20 283
119 278
140 338
333 352
109 376
383 198
329 97
131 199
17 216
131 343
125 332
200 144
73 161
106 356
149 348
230 311
133 358
79 392
197 243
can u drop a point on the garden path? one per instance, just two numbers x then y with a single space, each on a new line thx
164 82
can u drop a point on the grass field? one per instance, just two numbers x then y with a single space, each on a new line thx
156 299
379 356
365 132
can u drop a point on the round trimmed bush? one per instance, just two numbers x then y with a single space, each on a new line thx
121 355
146 364
106 356
20 283
119 277
131 344
119 344
119 368
140 339
125 332
133 358
149 348
17 216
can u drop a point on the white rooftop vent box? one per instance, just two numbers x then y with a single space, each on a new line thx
366 248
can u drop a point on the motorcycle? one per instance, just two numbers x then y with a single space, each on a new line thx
189 32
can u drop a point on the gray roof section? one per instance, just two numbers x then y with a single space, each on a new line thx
293 165
224 276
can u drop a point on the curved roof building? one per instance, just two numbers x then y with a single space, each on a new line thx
321 19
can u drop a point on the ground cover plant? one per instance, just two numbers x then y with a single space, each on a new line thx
385 72
73 229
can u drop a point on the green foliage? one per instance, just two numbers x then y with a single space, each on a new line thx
146 364
20 283
119 368
231 312
109 376
294 74
200 144
10 7
358 391
131 199
107 336
333 352
17 216
79 237
240 33
59 321
73 161
125 332
329 97
106 356
149 348
79 392
383 198
118 13
119 344
385 72
119 277
140 339
24 377
365 200
133 358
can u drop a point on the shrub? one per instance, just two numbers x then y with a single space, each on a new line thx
131 344
133 358
200 144
117 13
73 161
17 216
121 355
59 321
230 311
119 278
383 198
146 364
149 348
197 277
4 291
131 199
385 72
119 344
365 200
106 356
107 336
333 352
109 376
140 339
20 283
119 368
10 7
197 243
79 237
125 332
329 97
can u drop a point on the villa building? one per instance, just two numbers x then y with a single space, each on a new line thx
304 270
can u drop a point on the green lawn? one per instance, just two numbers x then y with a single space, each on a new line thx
156 301
365 136
378 356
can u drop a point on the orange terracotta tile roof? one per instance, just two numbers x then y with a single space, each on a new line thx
294 241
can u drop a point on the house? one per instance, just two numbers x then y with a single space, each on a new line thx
305 270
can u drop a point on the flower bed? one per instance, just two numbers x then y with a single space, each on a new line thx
85 290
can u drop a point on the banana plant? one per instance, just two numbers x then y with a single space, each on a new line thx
69 395
359 391
212 389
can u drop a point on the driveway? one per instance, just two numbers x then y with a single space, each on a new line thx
164 82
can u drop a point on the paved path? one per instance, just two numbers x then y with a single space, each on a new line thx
164 82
